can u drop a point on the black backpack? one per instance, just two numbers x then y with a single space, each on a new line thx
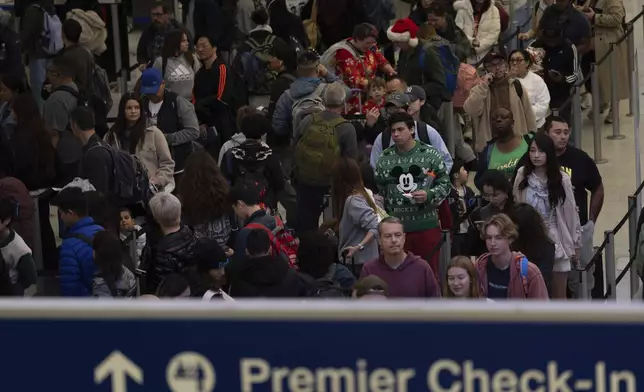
88 99
252 66
422 135
326 287
238 172
131 184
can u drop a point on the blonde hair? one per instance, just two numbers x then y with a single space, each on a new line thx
465 263
504 224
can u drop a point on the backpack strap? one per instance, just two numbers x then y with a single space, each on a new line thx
164 65
68 89
518 87
523 267
83 238
422 136
386 138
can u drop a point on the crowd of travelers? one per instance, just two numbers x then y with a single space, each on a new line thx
271 153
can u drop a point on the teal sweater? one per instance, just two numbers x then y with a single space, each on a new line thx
421 168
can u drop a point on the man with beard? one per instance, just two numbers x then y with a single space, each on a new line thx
151 41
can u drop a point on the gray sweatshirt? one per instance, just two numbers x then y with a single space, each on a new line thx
358 218
179 76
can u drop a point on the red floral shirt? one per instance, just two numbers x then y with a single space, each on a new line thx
356 72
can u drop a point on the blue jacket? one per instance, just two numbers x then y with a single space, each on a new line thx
300 88
76 265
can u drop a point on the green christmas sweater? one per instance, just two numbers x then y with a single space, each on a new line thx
421 168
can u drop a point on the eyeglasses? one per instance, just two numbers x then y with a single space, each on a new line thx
157 14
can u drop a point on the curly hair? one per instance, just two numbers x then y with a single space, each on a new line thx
203 190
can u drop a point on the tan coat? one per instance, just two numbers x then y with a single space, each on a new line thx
608 28
477 105
154 153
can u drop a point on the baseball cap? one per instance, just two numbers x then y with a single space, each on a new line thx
493 55
151 80
415 93
397 99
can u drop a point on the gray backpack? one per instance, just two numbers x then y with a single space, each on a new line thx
51 37
309 104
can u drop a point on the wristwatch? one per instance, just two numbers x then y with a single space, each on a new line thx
360 247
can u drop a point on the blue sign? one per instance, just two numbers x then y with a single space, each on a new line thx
320 347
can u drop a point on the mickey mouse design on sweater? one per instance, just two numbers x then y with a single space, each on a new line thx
399 174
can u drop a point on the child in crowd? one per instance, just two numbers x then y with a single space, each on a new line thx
460 279
376 99
461 202
129 226
13 249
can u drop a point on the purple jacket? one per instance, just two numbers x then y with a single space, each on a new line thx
414 278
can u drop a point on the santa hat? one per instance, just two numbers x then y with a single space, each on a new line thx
404 30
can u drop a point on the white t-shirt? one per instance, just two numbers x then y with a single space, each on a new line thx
154 111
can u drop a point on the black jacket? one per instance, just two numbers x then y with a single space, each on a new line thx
151 42
214 19
250 157
216 104
173 254
427 73
267 276
97 165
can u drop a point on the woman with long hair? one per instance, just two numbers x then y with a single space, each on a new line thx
203 192
534 241
112 278
461 279
131 133
542 184
356 211
30 157
178 64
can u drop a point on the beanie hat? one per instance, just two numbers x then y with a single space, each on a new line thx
404 30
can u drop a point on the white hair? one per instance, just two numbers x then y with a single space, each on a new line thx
166 209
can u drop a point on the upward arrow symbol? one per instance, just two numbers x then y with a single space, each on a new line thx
119 367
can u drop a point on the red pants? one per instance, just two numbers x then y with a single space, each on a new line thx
422 243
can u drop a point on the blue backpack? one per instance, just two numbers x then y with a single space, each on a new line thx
523 266
450 64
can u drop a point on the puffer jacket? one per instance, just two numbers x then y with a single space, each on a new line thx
76 266
283 116
489 27
125 285
94 33
255 158
175 253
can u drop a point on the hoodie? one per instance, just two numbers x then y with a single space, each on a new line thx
266 276
535 287
414 278
257 161
234 141
282 118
